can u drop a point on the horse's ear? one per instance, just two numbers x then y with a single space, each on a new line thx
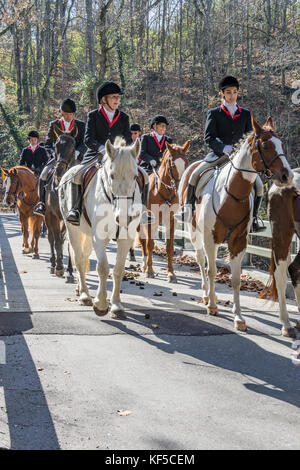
4 172
269 124
14 171
135 149
169 147
110 150
186 146
255 126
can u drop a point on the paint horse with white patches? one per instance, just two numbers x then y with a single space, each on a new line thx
284 216
113 209
224 209
163 203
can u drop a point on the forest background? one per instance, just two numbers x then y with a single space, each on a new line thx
167 55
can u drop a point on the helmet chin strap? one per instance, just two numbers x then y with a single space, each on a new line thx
106 102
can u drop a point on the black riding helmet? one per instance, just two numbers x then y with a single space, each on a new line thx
159 119
108 88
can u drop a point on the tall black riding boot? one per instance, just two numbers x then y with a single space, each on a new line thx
74 214
256 226
40 208
188 209
146 217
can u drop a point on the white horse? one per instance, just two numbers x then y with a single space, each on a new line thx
113 205
225 212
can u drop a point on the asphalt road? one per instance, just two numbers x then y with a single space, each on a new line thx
183 379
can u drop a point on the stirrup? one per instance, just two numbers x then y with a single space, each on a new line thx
73 217
39 209
255 225
147 218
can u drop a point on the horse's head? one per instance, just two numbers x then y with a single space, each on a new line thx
121 172
12 186
175 159
267 153
65 154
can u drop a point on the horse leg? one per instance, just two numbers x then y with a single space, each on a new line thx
280 275
117 310
170 250
70 278
200 257
131 255
294 270
143 242
101 304
36 235
235 263
211 252
25 231
58 241
81 249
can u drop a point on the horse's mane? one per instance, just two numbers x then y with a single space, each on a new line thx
239 144
21 167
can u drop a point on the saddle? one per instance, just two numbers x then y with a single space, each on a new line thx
203 179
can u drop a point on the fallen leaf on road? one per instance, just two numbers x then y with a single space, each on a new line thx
154 326
124 412
40 369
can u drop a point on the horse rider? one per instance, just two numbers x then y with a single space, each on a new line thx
66 124
225 126
153 145
34 156
136 132
104 123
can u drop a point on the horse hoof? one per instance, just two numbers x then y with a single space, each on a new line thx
240 325
212 311
70 280
150 275
172 278
52 270
298 325
118 315
205 300
288 332
100 313
35 256
26 251
86 302
59 272
132 258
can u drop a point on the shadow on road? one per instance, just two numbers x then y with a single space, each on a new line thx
29 420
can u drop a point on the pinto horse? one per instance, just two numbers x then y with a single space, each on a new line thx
163 203
284 214
111 210
21 188
225 211
65 158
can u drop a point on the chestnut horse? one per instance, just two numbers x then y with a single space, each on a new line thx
284 216
21 188
226 207
163 203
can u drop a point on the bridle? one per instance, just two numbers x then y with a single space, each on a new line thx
174 181
266 172
267 165
17 192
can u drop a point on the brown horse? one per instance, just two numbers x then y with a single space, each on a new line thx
284 216
21 189
65 158
163 203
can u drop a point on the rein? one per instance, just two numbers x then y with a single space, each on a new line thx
170 188
21 194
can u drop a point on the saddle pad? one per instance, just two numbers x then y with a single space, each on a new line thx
204 178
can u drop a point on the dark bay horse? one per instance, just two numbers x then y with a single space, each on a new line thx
284 215
224 209
21 189
65 158
163 202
